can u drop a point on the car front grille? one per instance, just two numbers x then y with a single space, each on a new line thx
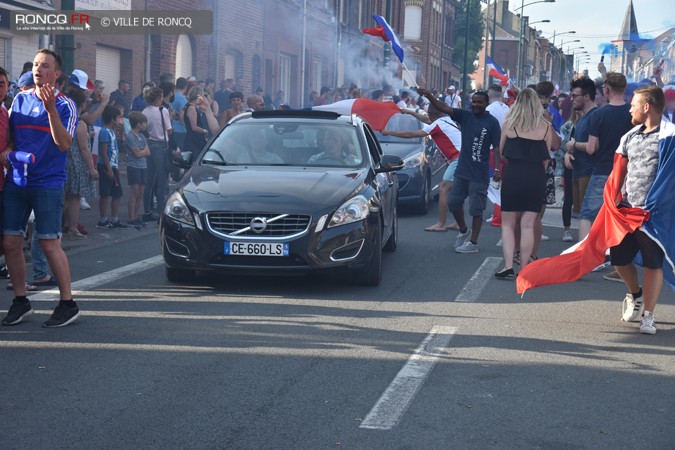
257 225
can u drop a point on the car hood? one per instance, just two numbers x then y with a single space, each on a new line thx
281 189
400 149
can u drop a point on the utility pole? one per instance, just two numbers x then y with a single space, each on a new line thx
466 47
67 50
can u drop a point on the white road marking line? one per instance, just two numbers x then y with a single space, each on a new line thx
473 288
396 399
102 278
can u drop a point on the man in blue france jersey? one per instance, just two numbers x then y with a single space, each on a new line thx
42 122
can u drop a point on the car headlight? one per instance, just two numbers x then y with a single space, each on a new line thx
413 161
176 208
352 210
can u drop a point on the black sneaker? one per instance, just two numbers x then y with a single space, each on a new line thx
118 225
105 225
150 217
62 316
17 313
4 273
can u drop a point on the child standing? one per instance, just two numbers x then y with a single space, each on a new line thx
136 165
108 169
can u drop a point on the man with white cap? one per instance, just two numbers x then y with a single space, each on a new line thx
81 80
452 99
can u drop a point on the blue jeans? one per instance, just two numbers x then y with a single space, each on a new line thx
593 199
476 191
157 175
47 204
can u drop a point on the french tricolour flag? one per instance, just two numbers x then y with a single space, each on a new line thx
613 223
384 31
496 71
377 114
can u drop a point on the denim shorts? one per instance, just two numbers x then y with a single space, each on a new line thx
46 203
477 193
593 199
449 174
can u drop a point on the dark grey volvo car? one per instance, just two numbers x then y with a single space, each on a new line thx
290 191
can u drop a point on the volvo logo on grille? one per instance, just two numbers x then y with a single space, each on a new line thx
258 225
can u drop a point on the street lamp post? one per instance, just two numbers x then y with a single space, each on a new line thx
520 35
526 49
560 34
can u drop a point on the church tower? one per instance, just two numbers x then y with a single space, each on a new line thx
627 46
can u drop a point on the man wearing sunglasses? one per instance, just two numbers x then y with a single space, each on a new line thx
576 155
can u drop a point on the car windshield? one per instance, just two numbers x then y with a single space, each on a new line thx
400 122
287 143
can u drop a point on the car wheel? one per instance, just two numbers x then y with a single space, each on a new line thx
392 242
425 198
371 275
179 275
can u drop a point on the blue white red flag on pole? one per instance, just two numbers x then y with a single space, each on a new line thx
385 32
495 71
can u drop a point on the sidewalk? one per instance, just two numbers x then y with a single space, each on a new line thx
97 237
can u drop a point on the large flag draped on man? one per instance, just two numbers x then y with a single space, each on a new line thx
612 224
384 31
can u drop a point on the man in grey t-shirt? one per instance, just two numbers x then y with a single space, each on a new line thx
641 148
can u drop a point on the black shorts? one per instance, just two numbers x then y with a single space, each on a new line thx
624 253
136 175
106 186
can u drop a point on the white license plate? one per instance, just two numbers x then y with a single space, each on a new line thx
256 248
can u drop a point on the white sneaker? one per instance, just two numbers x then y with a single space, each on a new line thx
648 324
462 237
467 247
632 308
83 204
490 219
545 238
567 236
602 266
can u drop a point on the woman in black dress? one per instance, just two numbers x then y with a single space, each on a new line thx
200 122
525 143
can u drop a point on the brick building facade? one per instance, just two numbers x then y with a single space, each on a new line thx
297 46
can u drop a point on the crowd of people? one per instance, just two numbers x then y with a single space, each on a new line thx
63 139
532 133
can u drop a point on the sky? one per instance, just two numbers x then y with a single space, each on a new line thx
596 22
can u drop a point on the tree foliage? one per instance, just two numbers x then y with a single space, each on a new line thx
476 31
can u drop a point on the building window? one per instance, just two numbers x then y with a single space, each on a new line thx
183 57
234 67
285 75
256 76
413 23
317 70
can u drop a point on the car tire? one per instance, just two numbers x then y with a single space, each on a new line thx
392 242
371 274
179 275
422 207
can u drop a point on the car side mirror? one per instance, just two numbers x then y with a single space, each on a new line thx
390 163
